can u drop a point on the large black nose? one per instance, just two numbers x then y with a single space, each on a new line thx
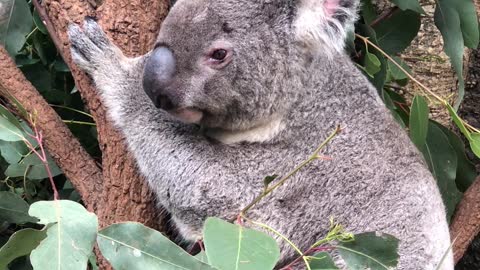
157 77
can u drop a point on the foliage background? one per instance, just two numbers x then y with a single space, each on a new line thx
27 40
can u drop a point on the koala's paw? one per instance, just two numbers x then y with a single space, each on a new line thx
91 50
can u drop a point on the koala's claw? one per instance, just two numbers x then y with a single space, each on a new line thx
90 47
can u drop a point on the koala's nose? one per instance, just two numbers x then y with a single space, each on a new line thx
157 76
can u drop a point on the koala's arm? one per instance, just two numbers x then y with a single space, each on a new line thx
117 77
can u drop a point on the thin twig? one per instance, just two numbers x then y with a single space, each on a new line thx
430 92
269 190
50 27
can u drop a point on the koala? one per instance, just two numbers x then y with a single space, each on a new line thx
235 90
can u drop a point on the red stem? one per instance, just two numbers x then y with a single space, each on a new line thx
38 137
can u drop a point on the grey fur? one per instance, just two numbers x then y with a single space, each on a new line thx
377 180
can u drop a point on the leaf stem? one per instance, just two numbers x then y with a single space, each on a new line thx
269 190
367 41
78 122
430 92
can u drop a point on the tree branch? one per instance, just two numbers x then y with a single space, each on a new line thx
67 151
466 221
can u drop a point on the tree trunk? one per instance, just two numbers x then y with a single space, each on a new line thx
121 195
117 192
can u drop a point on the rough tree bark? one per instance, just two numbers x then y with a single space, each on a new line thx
121 194
117 192
71 157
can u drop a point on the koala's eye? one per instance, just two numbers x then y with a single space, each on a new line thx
219 55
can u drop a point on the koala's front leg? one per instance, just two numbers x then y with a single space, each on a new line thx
117 78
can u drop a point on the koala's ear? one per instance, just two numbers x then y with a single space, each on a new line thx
324 24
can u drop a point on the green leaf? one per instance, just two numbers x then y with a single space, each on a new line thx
419 121
475 144
60 65
132 246
396 73
269 179
458 23
202 256
92 261
413 5
372 64
397 32
380 77
322 261
368 11
18 27
13 152
70 235
370 251
456 119
466 172
21 243
33 168
230 246
442 162
14 209
23 60
9 116
38 22
9 131
473 140
38 44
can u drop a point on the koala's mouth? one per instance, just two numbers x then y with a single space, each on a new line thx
187 115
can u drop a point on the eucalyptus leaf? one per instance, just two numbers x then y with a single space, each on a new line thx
92 261
396 32
33 168
322 261
70 237
413 5
229 246
473 139
475 144
132 246
9 131
9 116
21 243
380 77
39 23
370 250
18 27
419 121
372 64
13 152
396 72
442 162
202 256
368 11
38 44
458 23
466 171
14 209
269 179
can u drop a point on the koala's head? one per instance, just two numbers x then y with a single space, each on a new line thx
235 64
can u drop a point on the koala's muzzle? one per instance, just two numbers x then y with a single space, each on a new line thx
157 76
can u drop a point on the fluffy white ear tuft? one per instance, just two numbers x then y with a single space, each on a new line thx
324 24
